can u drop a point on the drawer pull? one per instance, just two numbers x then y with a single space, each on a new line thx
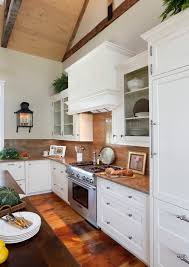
108 222
54 168
11 164
183 257
107 187
130 197
183 218
62 189
108 203
130 237
54 184
130 215
62 172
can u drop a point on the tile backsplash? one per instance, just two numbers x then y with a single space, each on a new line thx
36 146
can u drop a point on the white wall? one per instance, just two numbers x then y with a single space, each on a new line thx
124 31
28 78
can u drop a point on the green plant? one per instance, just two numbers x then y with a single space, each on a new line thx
9 153
9 196
173 7
61 83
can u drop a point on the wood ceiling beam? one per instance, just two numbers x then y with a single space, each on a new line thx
77 25
120 10
11 11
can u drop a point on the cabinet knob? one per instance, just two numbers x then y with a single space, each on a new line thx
121 135
130 237
54 184
107 187
130 215
62 189
108 222
130 197
61 172
77 134
114 135
54 168
108 203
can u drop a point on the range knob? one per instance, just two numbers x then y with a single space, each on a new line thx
84 178
87 179
91 180
78 176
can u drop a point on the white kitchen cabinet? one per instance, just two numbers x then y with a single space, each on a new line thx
17 170
127 127
78 127
171 235
38 177
168 44
169 79
59 180
170 153
122 213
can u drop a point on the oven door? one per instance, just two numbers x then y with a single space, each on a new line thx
82 199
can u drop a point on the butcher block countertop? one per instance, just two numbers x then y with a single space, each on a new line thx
137 182
44 249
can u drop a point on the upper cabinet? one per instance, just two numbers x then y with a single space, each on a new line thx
164 40
77 127
93 80
131 118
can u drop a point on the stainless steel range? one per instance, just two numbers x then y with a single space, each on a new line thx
82 193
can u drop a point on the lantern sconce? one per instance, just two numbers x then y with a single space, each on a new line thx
24 117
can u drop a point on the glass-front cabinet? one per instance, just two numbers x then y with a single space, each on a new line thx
63 127
77 127
131 118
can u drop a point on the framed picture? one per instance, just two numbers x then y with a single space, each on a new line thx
137 162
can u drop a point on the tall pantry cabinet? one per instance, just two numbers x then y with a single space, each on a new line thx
169 94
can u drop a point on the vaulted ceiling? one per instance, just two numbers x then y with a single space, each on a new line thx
44 27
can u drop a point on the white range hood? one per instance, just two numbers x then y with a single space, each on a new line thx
93 80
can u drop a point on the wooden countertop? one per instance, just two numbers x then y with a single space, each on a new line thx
44 249
137 182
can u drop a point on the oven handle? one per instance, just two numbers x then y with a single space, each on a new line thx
83 185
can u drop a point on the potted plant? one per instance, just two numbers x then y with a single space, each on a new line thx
61 83
9 153
173 7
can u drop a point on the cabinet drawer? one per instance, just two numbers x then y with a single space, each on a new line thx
172 218
170 250
16 169
132 213
125 194
125 234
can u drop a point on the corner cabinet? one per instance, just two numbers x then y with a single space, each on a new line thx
130 121
68 127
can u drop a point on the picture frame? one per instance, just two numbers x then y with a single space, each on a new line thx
137 162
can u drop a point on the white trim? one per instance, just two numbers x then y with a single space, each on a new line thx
2 126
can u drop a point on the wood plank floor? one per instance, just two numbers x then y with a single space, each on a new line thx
91 247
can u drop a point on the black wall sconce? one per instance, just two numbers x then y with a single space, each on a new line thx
24 117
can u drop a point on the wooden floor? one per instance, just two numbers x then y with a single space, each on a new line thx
91 247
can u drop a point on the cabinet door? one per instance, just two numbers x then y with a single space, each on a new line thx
38 176
170 53
59 180
57 118
170 144
118 125
67 120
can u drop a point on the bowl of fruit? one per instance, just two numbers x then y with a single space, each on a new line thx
24 155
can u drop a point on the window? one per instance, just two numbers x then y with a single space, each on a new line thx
1 115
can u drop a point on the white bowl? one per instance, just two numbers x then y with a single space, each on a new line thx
135 84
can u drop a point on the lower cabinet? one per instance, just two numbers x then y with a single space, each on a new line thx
17 170
171 235
59 180
122 213
38 176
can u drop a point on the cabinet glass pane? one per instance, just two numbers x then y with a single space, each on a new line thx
57 117
68 129
136 103
68 119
